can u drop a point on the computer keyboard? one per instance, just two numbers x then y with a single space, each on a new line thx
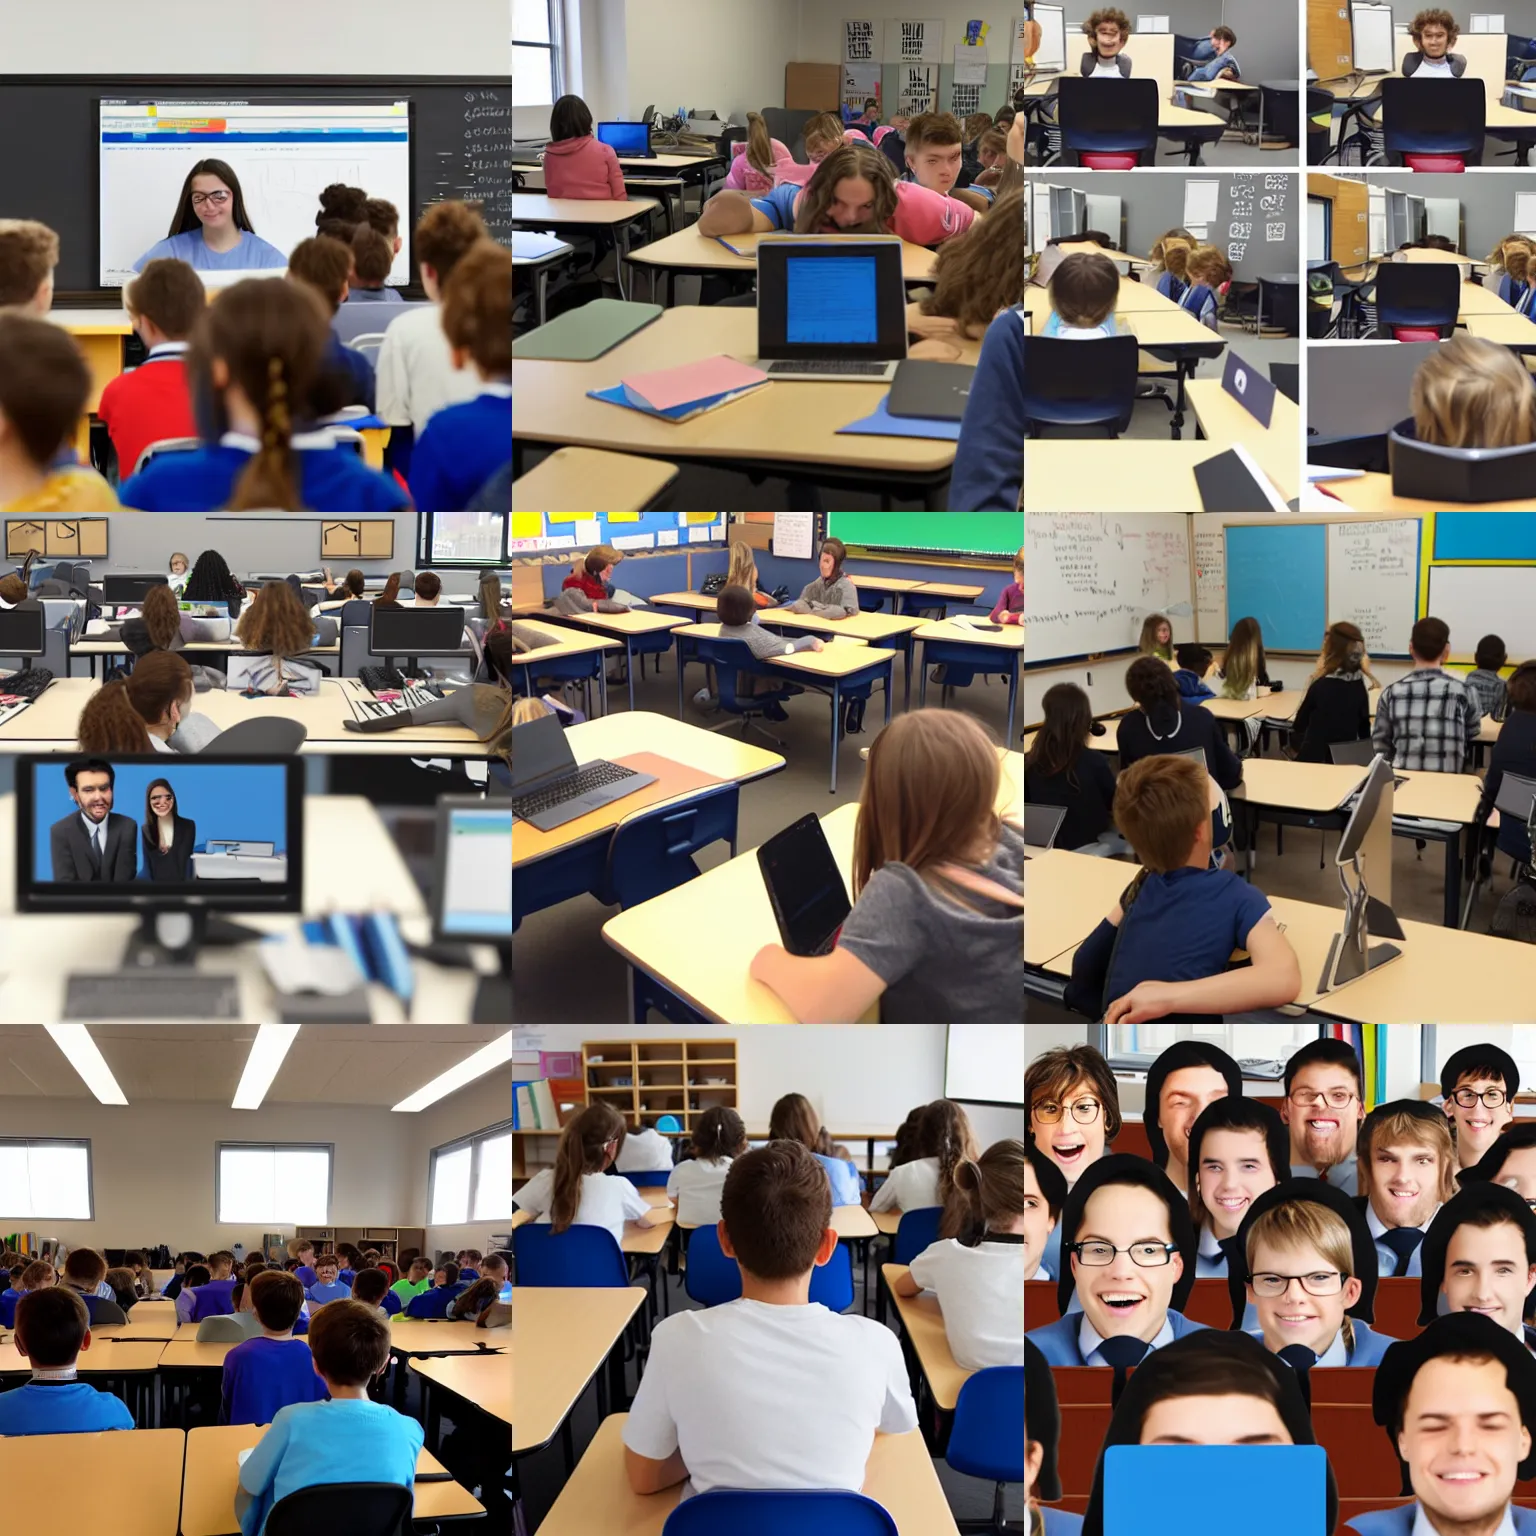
156 995
26 685
590 777
824 365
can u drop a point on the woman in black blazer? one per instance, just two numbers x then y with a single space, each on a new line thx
168 839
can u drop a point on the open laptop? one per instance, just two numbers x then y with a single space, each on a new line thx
830 308
805 887
629 141
548 789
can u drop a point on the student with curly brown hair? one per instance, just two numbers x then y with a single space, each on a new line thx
278 626
1434 33
1108 31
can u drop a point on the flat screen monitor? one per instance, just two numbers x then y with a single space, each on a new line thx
283 149
1352 839
472 880
254 803
415 631
625 138
21 631
129 588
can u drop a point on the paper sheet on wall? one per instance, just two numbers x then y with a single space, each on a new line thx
970 65
1210 583
633 541
665 537
589 531
1016 41
964 100
861 42
1200 202
861 85
792 534
915 88
916 42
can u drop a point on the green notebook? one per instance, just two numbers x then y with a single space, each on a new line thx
582 334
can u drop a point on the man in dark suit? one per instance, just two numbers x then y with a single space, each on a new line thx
93 843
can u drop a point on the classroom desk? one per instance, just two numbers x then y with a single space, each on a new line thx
531 178
899 1476
576 479
1510 330
1065 896
443 1336
1168 115
923 1321
160 1324
212 1475
538 262
878 629
640 632
480 1388
1138 475
1002 651
1276 449
647 1237
930 596
124 1481
1373 492
100 334
569 643
886 1222
789 428
886 586
1135 297
93 646
533 210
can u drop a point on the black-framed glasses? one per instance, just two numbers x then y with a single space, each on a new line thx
1468 1097
1097 1254
1321 1282
218 199
1335 1098
1084 1111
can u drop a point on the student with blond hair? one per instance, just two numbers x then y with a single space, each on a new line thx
1470 393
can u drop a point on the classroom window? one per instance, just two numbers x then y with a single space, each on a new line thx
465 538
286 1185
1138 1045
471 1180
45 1180
535 52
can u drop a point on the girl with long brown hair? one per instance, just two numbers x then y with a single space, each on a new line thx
1242 670
1337 706
975 277
695 1183
944 1139
938 887
794 1119
278 627
1156 637
1061 768
576 1191
148 711
754 165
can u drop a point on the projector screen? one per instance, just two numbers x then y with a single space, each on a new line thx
283 152
984 1064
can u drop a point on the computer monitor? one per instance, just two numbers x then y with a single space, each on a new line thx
626 138
415 631
129 588
22 631
472 878
1377 777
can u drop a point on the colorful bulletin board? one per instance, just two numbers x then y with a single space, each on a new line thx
1479 574
537 533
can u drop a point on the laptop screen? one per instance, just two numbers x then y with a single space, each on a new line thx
837 296
805 885
831 302
540 754
625 138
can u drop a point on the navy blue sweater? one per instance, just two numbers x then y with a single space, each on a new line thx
989 458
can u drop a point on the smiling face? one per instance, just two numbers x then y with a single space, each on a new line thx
1037 1221
162 802
92 792
1486 1270
1405 1180
1232 1418
1234 1171
1165 633
1184 1094
213 210
1296 1316
1477 1128
1109 39
1122 1299
1434 41
1069 1143
1322 1135
1463 1441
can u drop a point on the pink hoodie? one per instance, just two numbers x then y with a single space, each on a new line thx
800 174
583 168
745 177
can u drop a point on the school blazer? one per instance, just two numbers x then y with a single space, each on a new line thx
1058 1341
1399 1521
1061 1522
1411 63
1122 62
1370 1346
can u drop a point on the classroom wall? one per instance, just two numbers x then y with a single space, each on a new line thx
482 1104
1487 211
277 37
248 543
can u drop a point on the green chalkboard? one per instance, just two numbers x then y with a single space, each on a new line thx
948 533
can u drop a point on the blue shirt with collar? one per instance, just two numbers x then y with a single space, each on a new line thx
1369 1348
60 1408
460 449
252 254
1062 1342
318 1294
1410 1520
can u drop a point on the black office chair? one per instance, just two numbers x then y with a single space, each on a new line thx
1079 384
1516 800
1319 125
1433 125
1279 116
262 736
1279 305
1109 125
1417 300
359 1509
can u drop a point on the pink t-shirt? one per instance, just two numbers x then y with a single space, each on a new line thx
583 168
743 176
923 216
793 171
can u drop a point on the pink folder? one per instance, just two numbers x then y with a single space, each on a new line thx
664 388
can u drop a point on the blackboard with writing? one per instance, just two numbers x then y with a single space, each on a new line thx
474 162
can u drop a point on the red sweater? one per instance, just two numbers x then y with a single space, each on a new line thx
583 168
588 584
142 407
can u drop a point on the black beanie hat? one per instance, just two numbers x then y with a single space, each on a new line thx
1142 1392
1520 1135
1291 1192
1126 1168
1042 1417
1236 1113
1481 1196
1500 1062
1456 1333
1181 1054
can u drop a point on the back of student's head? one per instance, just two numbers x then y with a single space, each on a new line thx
583 1145
793 1118
1471 393
169 294
822 133
428 585
524 710
1343 648
985 1191
13 589
325 264
341 204
1429 638
982 271
933 130
976 124
370 1285
85 1267
599 557
44 385
51 1325
445 233
383 217
277 622
121 1280
1084 289
1150 683
569 118
196 1275
776 1205
372 256
945 1133
1521 687
1491 654
1068 718
734 605
349 1341
1193 658
1160 803
719 1133
476 303
1207 264
109 722
29 252
161 616
38 1276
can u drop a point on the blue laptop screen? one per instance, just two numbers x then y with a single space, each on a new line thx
626 138
1171 1490
830 300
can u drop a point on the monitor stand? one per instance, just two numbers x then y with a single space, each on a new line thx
174 938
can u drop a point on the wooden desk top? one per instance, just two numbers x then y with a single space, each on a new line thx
212 1475
127 1481
1135 298
1233 709
159 1324
484 1380
882 583
1276 449
444 1336
899 1476
713 978
864 626
647 1237
188 1354
1145 475
702 601
1009 638
688 248
1065 895
1509 330
568 642
1475 299
573 479
1373 493
848 1221
790 420
844 655
95 645
1321 787
886 1221
924 1322
103 1357
530 206
1165 328
636 622
959 590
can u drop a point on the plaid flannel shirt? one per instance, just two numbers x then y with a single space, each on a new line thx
1427 720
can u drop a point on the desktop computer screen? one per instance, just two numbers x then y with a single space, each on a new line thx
283 152
472 884
21 631
478 536
140 834
129 588
414 631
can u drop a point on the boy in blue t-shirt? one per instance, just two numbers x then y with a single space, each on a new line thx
52 1327
1194 662
274 1369
1181 919
349 1439
328 1285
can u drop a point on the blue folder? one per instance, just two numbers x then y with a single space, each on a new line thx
882 424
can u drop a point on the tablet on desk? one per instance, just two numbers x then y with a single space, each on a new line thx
805 887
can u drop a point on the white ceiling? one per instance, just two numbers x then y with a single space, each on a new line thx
370 1064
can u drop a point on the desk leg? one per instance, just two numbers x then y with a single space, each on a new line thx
922 681
629 671
837 728
1451 915
602 680
890 677
1013 695
906 669
681 665
541 289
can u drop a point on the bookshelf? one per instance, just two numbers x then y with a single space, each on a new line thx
390 1241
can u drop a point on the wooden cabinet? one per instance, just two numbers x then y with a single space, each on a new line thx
390 1241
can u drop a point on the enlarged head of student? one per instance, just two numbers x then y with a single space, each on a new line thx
1471 393
1478 1085
853 192
29 252
1480 1256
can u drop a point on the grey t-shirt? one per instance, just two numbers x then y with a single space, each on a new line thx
830 599
943 963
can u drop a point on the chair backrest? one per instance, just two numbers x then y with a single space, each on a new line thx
360 1509
916 1231
1080 380
781 1512
1515 797
1418 293
648 1178
1356 753
261 736
1042 823
832 1282
368 319
214 1298
100 1309
354 653
166 445
652 851
1107 114
987 1437
1281 109
712 1278
1455 114
579 1256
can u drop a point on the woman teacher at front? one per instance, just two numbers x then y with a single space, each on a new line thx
211 230
168 839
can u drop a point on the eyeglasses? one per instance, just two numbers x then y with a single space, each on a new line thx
1084 1111
218 199
1144 1255
1322 1282
1335 1098
1467 1097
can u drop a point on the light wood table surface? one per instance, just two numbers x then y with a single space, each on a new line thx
848 1221
886 1221
899 1476
207 1491
141 1325
995 650
1234 709
623 627
1323 787
924 1323
1509 330
957 591
863 626
576 479
1276 449
189 1355
1139 475
127 1481
1135 298
649 1236
104 1357
444 1336
484 1380
1065 896
532 207
1373 492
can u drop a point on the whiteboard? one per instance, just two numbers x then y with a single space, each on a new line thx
1052 52
1373 46
984 1064
1319 212
1479 600
1525 213
1094 576
1373 581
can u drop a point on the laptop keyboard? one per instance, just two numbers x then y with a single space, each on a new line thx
825 365
594 774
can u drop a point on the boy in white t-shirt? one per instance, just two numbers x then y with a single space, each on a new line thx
696 1184
769 1391
979 1275
645 1151
588 1144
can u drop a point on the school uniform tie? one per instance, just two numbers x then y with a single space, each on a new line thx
1402 1241
1232 1251
1122 1353
1301 1360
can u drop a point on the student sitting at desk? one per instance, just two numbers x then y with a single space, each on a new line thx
824 133
372 258
1337 706
738 621
588 589
1060 768
1169 283
1084 290
29 252
575 1192
1484 680
148 711
989 458
832 594
1107 30
1513 752
935 147
52 1328
1194 663
1164 722
575 163
326 266
1182 919
1509 289
277 626
1470 393
755 164
1427 720
1434 31
1205 270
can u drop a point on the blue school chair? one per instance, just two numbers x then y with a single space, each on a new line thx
728 657
579 1256
669 1125
711 1279
987 1437
1110 125
652 851
1433 125
649 1178
1074 383
362 1509
780 1512
916 1231
1417 301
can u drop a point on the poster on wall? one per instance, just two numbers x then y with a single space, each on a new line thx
861 42
861 93
915 90
970 65
964 100
1016 47
917 42
1016 81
